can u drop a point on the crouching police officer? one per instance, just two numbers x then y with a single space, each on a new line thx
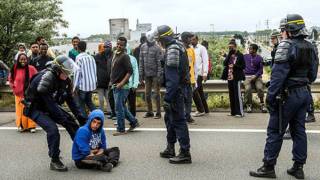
47 91
177 79
296 66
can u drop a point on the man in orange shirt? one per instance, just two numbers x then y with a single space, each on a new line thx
186 40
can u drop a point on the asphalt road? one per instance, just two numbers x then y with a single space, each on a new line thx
216 155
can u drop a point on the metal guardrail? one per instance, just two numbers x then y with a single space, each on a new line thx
210 86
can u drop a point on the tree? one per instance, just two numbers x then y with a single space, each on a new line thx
24 20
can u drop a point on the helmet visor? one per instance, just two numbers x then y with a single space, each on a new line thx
69 67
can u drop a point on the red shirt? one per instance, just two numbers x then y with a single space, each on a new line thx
17 85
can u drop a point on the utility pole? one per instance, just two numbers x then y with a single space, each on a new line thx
267 23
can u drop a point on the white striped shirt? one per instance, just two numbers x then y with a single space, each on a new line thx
85 77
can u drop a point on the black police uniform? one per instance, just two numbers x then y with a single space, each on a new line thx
177 80
46 93
295 67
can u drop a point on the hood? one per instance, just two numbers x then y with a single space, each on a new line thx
95 114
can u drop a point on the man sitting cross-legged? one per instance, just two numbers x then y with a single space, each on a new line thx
89 149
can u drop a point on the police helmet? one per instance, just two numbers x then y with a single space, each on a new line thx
283 23
64 64
294 23
164 33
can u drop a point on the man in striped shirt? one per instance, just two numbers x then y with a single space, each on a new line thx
85 78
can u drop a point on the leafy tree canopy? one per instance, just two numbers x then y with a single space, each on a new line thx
24 20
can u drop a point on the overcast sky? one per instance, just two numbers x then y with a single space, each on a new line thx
88 17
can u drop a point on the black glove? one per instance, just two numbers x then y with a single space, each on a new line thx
166 106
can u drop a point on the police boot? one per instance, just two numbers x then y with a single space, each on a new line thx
266 171
57 165
183 157
310 118
296 170
169 152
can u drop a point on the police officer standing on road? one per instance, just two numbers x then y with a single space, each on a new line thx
295 67
47 91
177 79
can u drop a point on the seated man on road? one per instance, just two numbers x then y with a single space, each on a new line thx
89 150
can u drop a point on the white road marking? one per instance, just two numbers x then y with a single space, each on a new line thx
191 129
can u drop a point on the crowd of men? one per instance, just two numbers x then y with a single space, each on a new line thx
181 65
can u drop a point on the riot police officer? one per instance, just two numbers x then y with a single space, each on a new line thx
177 79
47 91
295 67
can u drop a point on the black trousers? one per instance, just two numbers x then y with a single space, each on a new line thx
110 155
132 101
49 125
111 101
199 98
236 105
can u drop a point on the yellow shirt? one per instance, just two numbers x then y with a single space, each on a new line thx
192 59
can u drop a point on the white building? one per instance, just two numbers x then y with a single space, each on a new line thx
141 29
119 27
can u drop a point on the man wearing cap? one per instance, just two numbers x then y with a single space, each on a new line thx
48 90
150 72
295 67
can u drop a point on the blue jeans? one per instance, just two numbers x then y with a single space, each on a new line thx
84 98
122 112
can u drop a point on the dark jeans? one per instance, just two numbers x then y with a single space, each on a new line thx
122 112
176 123
235 98
294 113
110 155
199 98
111 101
85 99
153 83
132 101
49 125
188 102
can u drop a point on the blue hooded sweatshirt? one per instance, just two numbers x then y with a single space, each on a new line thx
84 140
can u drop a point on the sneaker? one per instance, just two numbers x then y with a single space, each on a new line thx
198 114
57 165
148 115
119 133
249 109
131 128
115 123
191 120
106 168
238 116
33 130
20 129
310 118
263 108
114 117
157 116
287 135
